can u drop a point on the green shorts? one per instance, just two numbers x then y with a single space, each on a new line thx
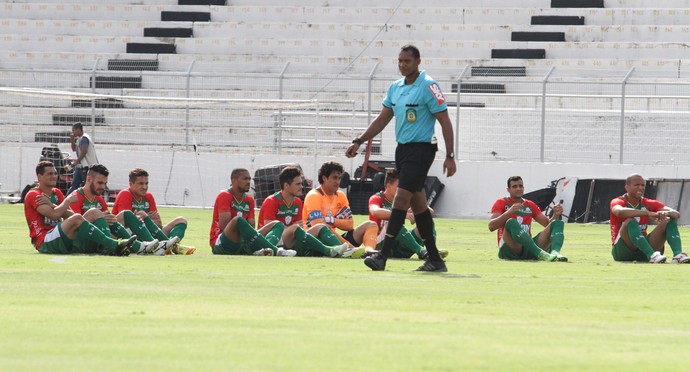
56 242
505 253
399 251
226 246
621 252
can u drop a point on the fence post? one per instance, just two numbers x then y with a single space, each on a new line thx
93 99
189 85
369 97
278 140
543 113
21 145
623 83
457 112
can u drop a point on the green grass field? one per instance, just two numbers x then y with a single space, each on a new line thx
205 312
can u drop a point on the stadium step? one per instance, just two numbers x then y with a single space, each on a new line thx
116 82
70 119
151 48
479 88
100 103
168 32
133 64
201 2
577 3
519 53
558 20
537 36
499 71
185 16
53 137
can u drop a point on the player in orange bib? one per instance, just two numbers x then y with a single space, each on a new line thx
327 204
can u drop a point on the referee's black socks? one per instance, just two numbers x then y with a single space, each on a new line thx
425 224
395 223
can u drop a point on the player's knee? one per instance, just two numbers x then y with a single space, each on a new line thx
512 222
180 219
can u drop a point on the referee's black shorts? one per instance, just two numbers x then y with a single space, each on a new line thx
413 161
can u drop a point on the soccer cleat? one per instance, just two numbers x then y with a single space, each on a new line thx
377 262
353 252
559 256
183 249
124 246
424 254
263 252
148 247
286 252
680 258
657 258
339 250
545 256
170 245
433 267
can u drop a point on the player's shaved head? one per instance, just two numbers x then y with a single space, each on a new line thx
630 178
237 172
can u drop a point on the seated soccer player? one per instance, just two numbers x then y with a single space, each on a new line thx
286 206
55 228
90 197
232 228
630 214
512 217
380 205
327 204
136 209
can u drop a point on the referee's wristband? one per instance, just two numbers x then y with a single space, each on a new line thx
357 141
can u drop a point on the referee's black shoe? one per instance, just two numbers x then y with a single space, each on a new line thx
376 262
433 267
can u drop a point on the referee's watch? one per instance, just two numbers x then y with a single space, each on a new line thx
450 155
357 141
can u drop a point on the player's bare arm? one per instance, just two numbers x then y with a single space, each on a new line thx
224 219
374 128
624 212
497 220
380 212
56 212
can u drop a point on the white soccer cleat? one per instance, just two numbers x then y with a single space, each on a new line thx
263 252
148 247
680 258
354 252
170 246
286 252
339 250
657 258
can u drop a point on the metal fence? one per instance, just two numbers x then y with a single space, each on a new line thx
615 118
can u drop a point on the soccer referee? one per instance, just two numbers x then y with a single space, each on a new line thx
417 102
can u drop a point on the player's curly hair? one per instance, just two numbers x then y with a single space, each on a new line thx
329 168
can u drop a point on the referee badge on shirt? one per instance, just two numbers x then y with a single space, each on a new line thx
411 115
